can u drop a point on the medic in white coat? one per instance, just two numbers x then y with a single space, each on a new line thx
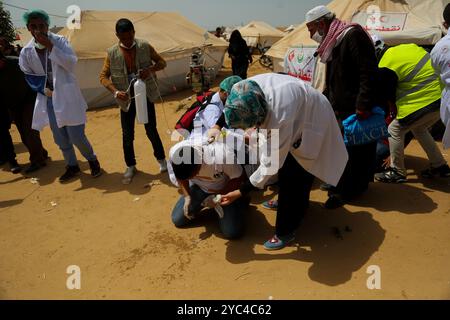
440 59
309 143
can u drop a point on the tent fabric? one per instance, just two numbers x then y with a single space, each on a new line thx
25 36
260 32
423 23
168 32
171 34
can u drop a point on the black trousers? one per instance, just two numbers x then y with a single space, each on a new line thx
23 117
358 172
6 144
239 68
295 185
127 120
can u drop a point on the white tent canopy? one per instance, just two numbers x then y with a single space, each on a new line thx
260 32
171 34
24 35
422 23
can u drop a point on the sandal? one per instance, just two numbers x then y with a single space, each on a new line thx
271 204
277 243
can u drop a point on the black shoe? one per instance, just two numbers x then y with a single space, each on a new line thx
327 187
14 166
334 202
96 170
390 176
35 166
443 171
71 172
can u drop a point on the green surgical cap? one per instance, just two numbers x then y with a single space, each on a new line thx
36 14
228 83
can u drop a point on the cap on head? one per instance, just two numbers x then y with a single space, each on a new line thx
228 83
316 13
36 14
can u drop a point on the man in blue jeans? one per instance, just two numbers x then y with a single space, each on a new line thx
202 172
49 63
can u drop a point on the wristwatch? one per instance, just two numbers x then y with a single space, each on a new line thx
116 93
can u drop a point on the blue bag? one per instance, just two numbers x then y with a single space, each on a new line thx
359 132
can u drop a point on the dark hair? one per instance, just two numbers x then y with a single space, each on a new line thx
236 37
190 163
124 25
447 14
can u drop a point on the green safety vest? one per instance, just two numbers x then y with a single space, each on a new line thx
418 84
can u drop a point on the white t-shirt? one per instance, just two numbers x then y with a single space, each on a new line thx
219 166
207 118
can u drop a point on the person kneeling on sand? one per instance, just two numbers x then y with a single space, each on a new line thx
202 173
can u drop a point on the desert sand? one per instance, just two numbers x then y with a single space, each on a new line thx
123 240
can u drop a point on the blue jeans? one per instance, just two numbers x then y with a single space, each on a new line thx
68 136
231 225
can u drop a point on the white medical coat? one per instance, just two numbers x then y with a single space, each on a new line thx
440 59
299 111
68 102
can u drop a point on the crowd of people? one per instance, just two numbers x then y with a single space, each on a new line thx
299 131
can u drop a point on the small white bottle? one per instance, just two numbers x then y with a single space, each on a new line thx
140 98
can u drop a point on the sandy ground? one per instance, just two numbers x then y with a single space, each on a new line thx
123 240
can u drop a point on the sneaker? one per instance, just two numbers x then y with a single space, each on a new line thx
443 171
162 165
96 170
130 172
71 172
279 242
271 204
14 166
390 176
35 166
334 201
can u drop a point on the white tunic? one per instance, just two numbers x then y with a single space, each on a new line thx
68 102
299 111
440 59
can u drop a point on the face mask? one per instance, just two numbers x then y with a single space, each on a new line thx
123 46
37 45
317 37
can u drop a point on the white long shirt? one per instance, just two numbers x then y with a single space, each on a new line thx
298 110
440 59
207 118
68 102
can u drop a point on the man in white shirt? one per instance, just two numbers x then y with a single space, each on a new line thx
202 172
207 118
440 59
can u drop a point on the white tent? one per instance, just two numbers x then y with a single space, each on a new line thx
24 36
171 34
259 32
403 21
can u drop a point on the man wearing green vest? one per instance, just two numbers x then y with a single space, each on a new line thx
417 101
126 60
